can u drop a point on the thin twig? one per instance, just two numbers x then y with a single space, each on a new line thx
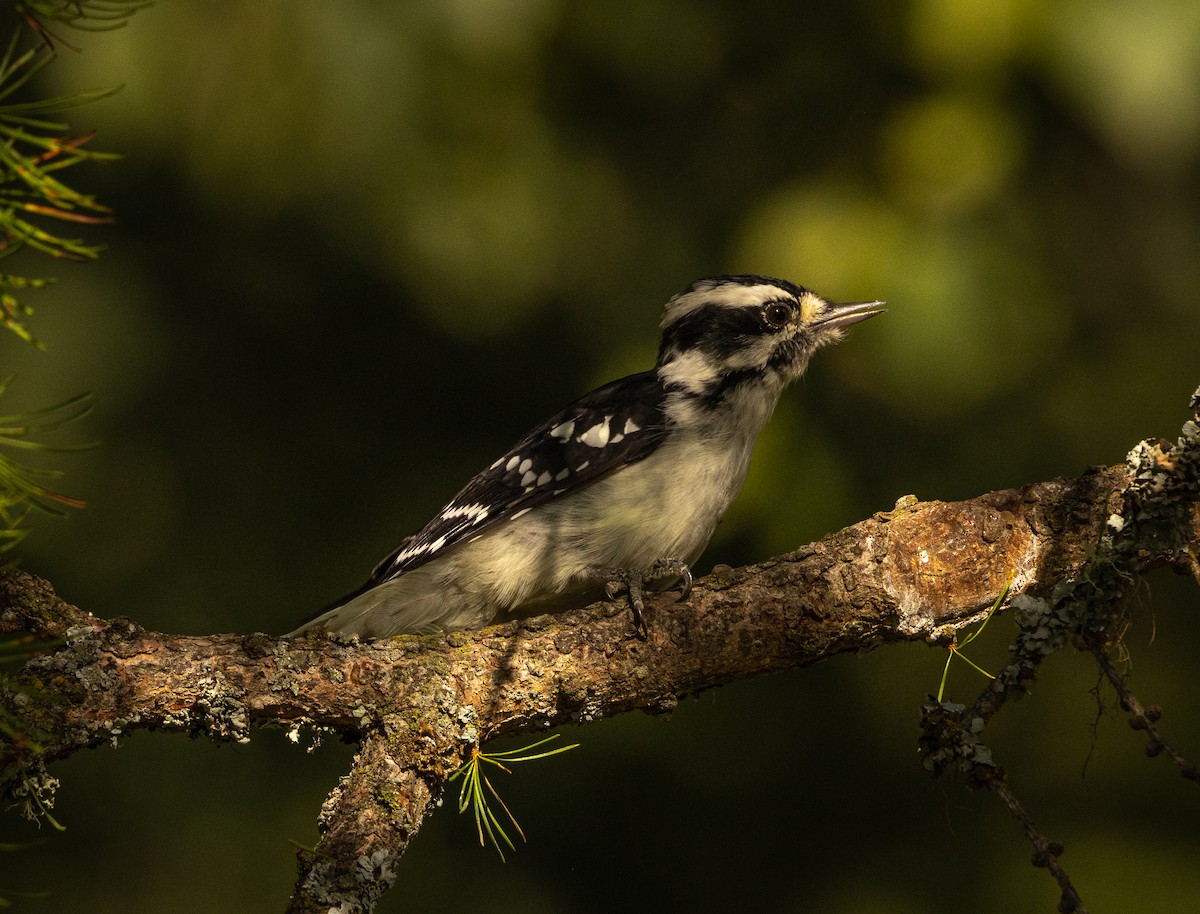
1143 718
1046 852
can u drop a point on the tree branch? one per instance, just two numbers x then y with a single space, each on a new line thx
417 705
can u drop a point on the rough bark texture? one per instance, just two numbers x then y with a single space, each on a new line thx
418 705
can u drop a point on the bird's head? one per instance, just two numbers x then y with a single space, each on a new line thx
721 332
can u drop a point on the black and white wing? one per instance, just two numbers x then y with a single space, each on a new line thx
611 427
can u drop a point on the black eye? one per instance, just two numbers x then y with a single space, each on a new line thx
777 314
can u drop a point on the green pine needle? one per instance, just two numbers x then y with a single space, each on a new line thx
24 488
955 649
475 788
85 15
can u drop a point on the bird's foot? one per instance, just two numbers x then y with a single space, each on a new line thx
632 582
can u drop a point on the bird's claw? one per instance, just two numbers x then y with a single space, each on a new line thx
632 582
685 591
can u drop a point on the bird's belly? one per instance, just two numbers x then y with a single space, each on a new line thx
628 520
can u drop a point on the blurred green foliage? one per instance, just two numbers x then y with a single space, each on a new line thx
25 488
35 148
363 246
34 200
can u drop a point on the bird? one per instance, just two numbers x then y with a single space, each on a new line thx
620 491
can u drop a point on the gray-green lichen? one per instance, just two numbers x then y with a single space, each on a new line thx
34 794
220 710
356 892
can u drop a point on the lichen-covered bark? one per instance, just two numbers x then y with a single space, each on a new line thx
416 705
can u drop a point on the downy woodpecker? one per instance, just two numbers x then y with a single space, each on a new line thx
621 489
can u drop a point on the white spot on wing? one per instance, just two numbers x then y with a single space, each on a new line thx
525 465
631 427
544 478
473 513
562 474
419 549
597 435
563 430
512 462
529 478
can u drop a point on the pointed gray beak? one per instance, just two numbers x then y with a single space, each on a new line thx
842 315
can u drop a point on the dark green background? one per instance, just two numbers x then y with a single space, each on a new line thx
362 247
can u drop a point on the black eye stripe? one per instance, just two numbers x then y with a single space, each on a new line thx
714 328
722 330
